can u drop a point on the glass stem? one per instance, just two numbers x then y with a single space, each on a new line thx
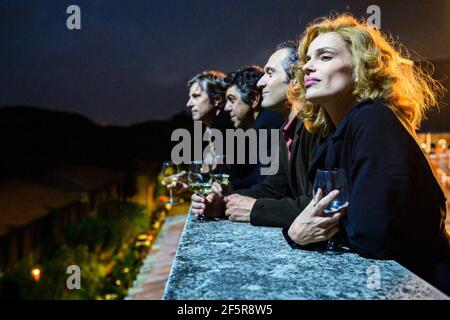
202 216
330 244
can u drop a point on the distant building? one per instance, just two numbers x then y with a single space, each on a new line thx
97 185
34 213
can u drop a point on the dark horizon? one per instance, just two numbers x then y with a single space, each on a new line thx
130 62
25 108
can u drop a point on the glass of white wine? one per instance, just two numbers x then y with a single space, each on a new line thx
169 171
199 179
220 171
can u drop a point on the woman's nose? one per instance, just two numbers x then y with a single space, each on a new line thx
308 67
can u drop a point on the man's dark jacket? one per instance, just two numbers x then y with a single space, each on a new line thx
247 175
283 196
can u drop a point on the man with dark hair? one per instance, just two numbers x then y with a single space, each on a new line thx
243 97
243 102
279 199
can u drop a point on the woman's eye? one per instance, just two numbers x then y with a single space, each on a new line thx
326 58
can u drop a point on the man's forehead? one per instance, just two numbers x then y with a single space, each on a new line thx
233 91
195 89
276 59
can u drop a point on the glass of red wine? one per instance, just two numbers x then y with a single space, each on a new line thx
328 180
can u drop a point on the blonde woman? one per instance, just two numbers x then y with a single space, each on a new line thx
368 99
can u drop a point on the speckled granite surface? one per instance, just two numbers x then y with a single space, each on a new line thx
229 260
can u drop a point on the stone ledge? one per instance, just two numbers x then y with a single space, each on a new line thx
228 260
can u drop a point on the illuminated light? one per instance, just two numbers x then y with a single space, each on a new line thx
111 296
143 237
118 282
163 198
145 243
126 270
36 274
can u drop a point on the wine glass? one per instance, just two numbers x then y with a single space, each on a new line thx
328 180
169 171
199 179
220 171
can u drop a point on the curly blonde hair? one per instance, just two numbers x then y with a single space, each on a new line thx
381 72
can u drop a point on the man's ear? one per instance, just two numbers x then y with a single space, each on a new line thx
256 101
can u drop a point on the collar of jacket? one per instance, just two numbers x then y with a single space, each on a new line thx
295 144
320 153
298 127
350 113
268 119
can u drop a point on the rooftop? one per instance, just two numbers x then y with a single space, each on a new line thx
79 178
22 202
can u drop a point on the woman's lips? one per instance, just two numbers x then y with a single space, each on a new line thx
310 82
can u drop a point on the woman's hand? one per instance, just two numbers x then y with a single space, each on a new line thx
312 225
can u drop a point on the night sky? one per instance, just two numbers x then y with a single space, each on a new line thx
130 61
